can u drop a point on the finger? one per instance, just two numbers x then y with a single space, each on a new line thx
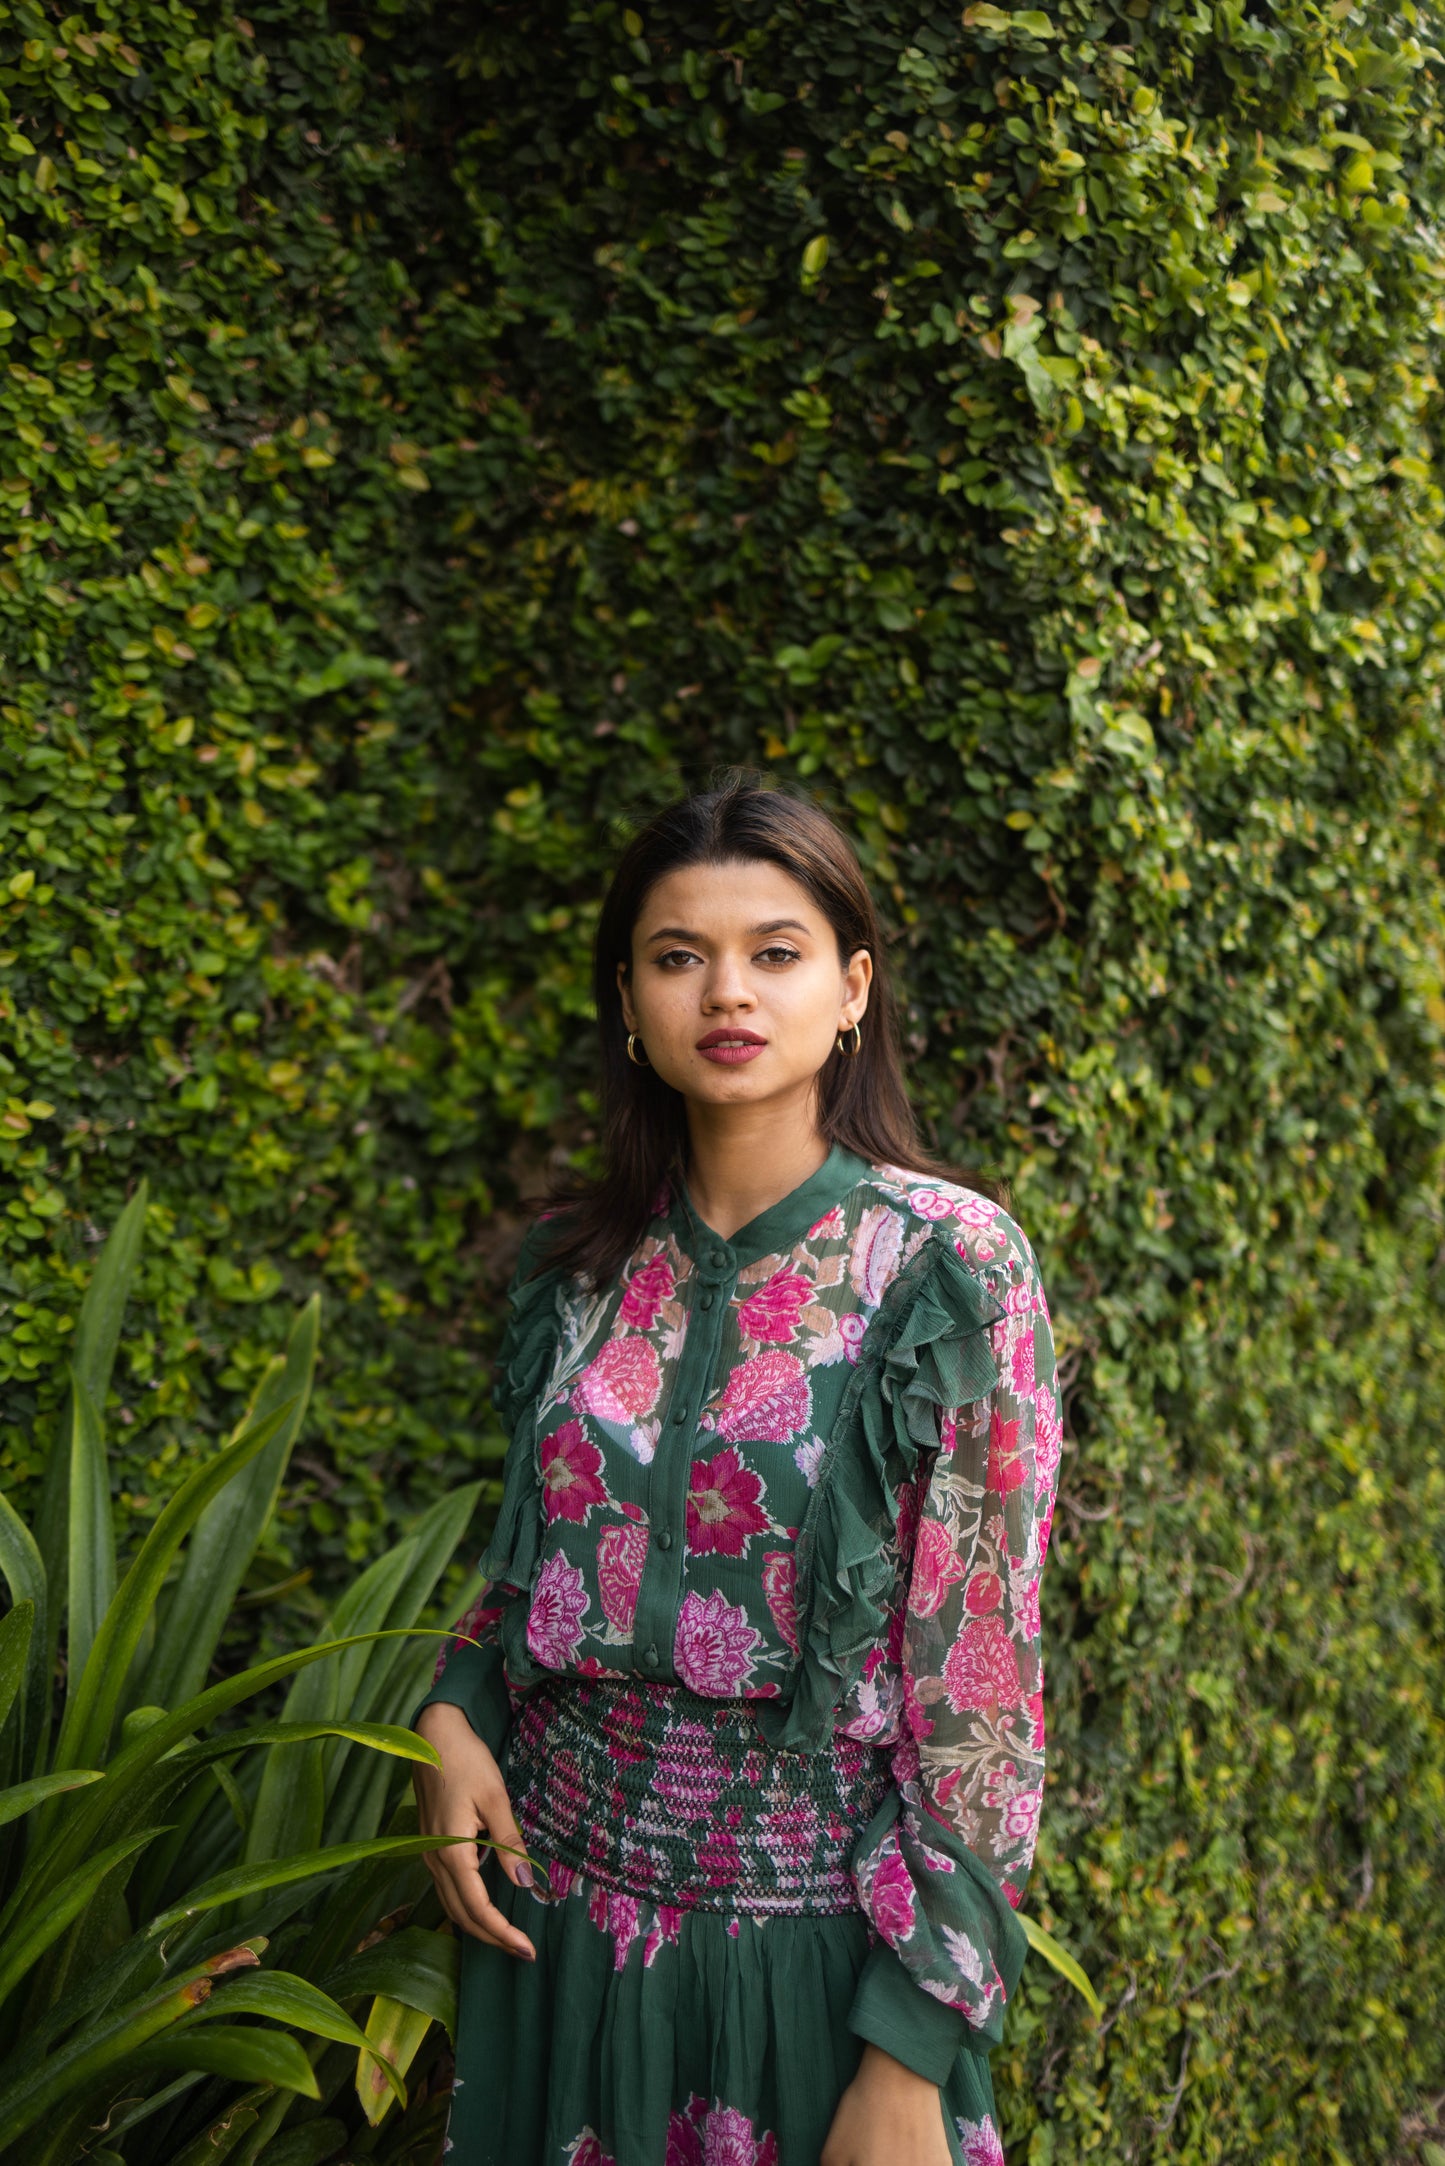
502 1831
479 1914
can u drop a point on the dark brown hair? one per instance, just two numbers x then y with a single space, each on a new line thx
862 1101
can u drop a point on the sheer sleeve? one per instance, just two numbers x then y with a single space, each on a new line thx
942 1869
470 1671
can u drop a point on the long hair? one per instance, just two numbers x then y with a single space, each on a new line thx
862 1101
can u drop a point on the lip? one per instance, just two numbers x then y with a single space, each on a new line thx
731 1048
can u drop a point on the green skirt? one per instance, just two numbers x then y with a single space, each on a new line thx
711 2030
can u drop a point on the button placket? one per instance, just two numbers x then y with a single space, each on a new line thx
660 1595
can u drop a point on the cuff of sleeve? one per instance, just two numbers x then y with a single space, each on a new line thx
473 1680
892 2011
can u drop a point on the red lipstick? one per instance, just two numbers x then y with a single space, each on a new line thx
731 1048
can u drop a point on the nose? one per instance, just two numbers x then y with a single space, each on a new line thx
728 990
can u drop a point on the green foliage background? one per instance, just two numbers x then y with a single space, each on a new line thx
429 433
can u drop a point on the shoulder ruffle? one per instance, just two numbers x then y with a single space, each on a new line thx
523 1361
926 1350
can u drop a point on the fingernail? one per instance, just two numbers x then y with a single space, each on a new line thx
524 1876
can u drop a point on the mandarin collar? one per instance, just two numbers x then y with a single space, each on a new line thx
779 1227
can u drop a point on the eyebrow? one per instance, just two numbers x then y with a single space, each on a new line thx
774 925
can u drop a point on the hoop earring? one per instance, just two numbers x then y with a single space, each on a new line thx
851 1052
632 1051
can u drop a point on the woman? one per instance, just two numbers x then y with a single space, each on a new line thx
751 1706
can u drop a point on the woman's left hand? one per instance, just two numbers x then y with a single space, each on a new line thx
888 2116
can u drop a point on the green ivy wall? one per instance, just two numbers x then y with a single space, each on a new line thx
428 434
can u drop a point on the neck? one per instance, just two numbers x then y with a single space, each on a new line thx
744 1159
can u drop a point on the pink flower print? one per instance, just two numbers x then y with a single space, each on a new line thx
586 2150
981 1669
767 1400
1035 1705
979 2142
887 1896
647 1289
617 1915
1021 1366
684 2135
728 2140
722 1506
936 1568
771 1311
1005 1464
714 1645
554 1621
850 1330
621 1383
664 1930
984 1593
717 1858
690 1773
780 1591
621 1554
570 1464
930 1203
829 1226
876 1246
971 1209
474 1625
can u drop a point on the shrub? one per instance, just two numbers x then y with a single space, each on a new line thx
1018 431
146 1869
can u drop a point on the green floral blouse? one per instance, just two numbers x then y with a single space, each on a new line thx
811 1467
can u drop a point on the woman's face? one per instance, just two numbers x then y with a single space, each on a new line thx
736 992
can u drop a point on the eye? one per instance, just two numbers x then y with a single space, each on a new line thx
779 954
674 958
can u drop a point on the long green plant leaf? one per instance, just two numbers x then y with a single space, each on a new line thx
419 1969
24 1574
394 2033
286 1998
251 1880
90 1550
244 2056
126 1793
23 1797
16 1628
21 1951
31 2089
228 1530
93 1705
97 1335
1067 1966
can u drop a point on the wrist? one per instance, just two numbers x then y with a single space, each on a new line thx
878 2069
440 1721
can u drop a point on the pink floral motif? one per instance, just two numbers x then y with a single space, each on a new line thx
722 1506
767 1400
586 2150
714 1645
829 1226
720 2136
554 1621
981 1668
771 1311
876 1247
570 1469
618 1915
621 1554
476 1624
690 1773
1021 1366
937 1567
780 1591
971 1209
979 2142
930 1202
621 1383
647 1289
850 1330
663 1932
888 1897
984 1593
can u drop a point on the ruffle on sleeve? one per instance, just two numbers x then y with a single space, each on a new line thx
926 1350
523 1362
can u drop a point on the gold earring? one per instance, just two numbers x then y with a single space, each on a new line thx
851 1052
632 1051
